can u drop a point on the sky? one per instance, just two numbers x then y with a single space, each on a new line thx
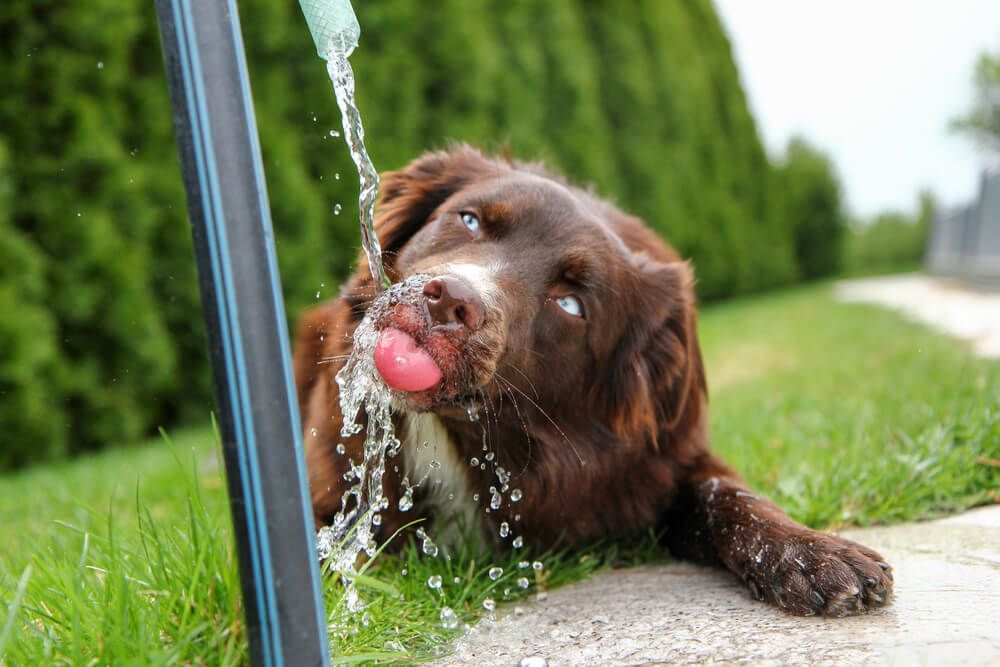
873 83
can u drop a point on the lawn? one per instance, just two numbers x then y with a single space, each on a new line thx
845 414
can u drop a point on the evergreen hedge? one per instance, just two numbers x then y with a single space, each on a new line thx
810 203
99 310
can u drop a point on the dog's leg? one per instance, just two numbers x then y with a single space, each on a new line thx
715 518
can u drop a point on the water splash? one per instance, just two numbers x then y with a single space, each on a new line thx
426 544
448 618
342 76
353 529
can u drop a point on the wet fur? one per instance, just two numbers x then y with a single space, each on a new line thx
607 439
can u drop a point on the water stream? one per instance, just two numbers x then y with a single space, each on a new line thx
352 532
342 76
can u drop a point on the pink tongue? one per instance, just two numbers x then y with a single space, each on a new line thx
402 364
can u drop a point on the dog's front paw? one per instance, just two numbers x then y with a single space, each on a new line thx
816 573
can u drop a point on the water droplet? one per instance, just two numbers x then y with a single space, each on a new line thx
494 498
456 580
406 501
522 582
533 660
523 564
341 449
313 432
495 573
537 565
317 294
100 65
336 176
333 133
337 209
377 520
354 601
429 548
475 497
515 495
518 542
434 581
473 412
489 604
489 456
474 462
404 572
434 464
504 529
448 618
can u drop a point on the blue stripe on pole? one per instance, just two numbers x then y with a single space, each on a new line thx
279 308
233 354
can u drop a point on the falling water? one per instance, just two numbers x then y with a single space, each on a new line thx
353 529
342 77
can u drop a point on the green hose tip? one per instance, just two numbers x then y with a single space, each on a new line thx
333 25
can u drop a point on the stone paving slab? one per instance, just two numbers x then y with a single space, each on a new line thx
946 611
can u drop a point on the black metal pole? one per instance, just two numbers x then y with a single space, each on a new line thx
247 333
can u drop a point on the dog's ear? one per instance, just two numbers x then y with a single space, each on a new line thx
656 383
409 196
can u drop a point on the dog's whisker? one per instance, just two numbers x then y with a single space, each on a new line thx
333 359
520 417
527 379
551 421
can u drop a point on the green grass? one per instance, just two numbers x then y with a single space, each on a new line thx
845 414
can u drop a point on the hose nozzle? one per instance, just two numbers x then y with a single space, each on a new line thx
333 25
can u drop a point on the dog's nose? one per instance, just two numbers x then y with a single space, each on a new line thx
451 302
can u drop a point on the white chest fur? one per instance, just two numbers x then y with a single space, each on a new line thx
431 460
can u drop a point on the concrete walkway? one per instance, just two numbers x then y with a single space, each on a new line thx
946 305
946 611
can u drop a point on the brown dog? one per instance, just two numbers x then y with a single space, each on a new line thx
571 326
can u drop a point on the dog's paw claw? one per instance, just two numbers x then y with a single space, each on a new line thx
818 573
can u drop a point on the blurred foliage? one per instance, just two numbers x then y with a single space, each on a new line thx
892 241
29 356
810 200
982 121
101 315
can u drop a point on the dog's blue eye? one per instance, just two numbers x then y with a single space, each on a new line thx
471 222
571 305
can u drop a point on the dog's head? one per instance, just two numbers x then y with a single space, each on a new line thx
525 285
